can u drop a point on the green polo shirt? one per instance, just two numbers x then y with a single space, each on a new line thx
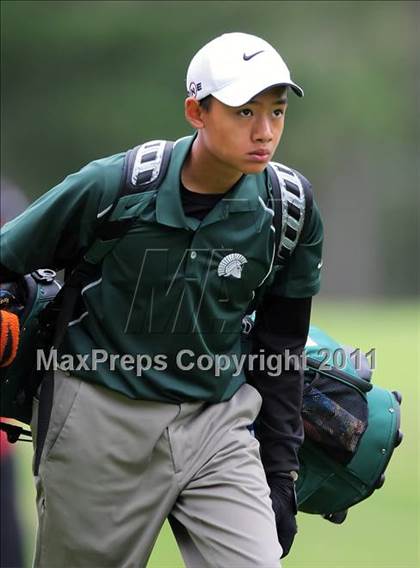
163 320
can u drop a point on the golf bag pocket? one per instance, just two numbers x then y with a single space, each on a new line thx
335 420
57 401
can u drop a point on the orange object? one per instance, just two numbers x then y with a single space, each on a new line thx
9 337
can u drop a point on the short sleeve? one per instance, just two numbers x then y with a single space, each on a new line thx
301 277
62 222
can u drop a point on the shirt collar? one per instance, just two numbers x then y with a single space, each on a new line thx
169 211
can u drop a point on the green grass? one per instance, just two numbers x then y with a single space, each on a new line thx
381 532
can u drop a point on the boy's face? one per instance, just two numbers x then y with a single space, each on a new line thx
245 138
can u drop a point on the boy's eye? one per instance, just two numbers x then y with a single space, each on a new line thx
245 112
278 112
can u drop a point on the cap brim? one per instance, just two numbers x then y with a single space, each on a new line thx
239 93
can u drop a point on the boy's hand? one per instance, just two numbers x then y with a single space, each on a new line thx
284 504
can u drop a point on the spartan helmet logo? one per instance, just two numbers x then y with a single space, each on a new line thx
231 265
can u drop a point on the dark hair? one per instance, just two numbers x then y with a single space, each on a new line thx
206 102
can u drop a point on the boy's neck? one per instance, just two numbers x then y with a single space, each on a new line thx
202 172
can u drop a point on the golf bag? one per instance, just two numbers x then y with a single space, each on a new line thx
20 380
351 429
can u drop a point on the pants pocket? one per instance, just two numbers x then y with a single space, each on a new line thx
54 407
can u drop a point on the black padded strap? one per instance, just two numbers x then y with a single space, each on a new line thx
114 229
287 236
309 199
275 201
144 168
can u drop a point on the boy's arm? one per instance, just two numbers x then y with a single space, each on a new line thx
281 328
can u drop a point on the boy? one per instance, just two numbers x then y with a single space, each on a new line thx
129 446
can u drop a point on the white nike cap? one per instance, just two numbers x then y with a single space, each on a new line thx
234 67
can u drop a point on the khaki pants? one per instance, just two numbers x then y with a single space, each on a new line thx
113 469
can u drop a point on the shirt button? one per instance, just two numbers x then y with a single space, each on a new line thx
193 255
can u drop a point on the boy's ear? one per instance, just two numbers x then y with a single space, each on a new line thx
194 112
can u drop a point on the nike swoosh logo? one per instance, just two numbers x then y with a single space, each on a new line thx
248 57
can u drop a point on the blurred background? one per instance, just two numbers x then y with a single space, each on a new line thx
82 80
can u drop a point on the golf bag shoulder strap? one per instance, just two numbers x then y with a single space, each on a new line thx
146 165
292 201
144 168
